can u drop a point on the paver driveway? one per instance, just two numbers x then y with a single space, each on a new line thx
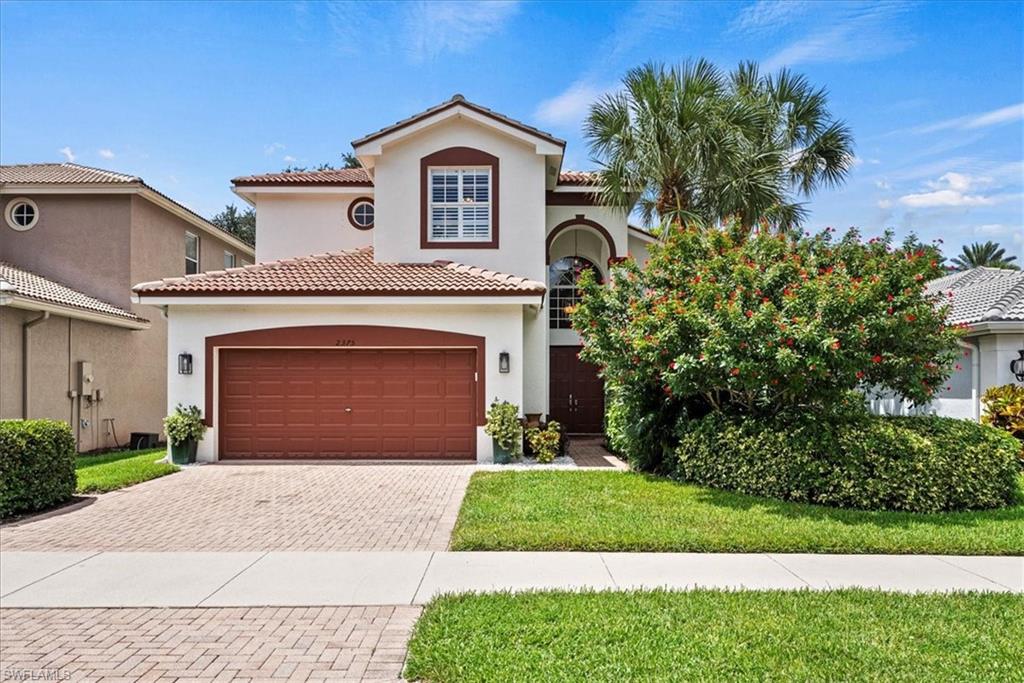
238 644
263 507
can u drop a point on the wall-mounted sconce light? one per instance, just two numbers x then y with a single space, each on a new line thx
503 362
1017 366
184 363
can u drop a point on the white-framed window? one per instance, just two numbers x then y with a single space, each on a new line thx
191 253
229 259
22 213
361 214
460 204
563 293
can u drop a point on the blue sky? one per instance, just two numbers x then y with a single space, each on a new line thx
189 95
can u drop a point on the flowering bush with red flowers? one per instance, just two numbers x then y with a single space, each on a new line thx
761 325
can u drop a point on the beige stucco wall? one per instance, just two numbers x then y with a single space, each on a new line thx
80 240
301 224
57 345
520 200
100 245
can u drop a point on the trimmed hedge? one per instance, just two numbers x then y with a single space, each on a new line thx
914 464
37 465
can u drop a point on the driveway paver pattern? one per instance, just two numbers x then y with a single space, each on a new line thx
305 507
200 644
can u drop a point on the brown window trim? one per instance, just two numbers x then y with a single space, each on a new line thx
580 219
457 156
346 337
352 218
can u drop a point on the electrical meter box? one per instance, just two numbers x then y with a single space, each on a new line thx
85 378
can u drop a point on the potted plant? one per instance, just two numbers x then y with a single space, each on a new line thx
184 429
545 443
504 427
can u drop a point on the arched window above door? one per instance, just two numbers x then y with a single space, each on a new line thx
563 292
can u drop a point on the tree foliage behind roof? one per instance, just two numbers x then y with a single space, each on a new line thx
692 142
241 224
348 160
987 255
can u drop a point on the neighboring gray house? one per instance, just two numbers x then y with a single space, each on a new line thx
73 346
991 302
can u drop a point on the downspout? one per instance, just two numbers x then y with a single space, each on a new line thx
975 350
25 356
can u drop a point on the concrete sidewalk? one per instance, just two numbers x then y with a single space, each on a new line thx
239 579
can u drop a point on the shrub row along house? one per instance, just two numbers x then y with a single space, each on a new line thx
390 304
73 346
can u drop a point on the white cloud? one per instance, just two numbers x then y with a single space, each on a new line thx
882 184
845 32
951 190
1014 112
767 16
568 108
288 158
991 229
884 203
432 28
944 198
69 155
636 28
106 153
273 148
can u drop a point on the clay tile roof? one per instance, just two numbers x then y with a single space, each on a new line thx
18 282
459 100
61 173
341 176
357 177
345 273
579 178
981 294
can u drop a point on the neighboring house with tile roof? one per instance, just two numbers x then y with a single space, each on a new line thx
391 303
990 303
73 240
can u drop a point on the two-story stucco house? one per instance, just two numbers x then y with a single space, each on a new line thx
73 346
390 304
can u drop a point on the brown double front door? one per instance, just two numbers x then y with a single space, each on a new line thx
577 393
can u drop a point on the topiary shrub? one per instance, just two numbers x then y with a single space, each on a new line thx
915 464
37 465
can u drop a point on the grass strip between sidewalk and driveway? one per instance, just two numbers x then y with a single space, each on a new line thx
118 469
618 511
719 635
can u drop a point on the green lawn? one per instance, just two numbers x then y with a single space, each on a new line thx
110 471
850 635
615 511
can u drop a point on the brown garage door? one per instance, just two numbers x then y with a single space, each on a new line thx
347 403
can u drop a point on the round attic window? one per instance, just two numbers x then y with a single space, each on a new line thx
360 213
22 213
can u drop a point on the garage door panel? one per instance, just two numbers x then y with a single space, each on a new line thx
460 361
291 403
458 388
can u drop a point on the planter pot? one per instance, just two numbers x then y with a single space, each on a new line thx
184 453
502 456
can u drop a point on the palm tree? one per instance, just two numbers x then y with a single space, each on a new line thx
688 143
988 255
